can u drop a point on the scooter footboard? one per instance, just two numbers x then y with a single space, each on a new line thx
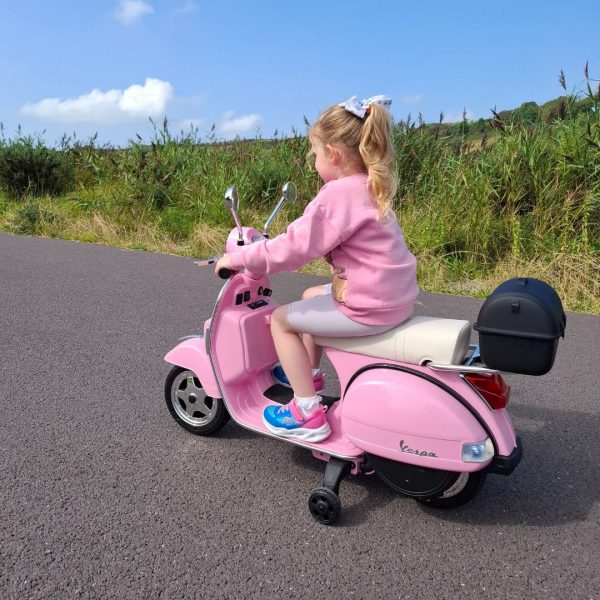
410 420
191 354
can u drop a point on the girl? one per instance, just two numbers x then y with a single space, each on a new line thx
351 223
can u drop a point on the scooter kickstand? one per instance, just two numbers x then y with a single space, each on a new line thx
335 471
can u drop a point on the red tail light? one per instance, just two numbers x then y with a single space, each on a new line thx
492 387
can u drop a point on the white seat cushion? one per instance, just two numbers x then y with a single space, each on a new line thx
417 341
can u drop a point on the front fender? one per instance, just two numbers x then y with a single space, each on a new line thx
191 354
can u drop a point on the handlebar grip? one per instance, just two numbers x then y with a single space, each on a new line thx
225 273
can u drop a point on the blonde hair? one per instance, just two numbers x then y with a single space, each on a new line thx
366 141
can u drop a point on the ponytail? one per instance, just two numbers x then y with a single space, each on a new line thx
377 151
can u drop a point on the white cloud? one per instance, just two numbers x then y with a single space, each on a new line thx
455 117
232 125
130 11
414 99
114 106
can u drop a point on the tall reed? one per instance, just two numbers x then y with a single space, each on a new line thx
517 196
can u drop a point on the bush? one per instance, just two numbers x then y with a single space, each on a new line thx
177 222
27 167
27 220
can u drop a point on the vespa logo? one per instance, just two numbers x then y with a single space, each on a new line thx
408 450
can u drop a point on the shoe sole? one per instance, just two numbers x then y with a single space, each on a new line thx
301 433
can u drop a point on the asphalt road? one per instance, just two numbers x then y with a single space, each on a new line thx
103 495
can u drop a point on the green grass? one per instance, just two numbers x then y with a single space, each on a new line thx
523 198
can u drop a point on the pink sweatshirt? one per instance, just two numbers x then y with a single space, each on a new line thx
379 270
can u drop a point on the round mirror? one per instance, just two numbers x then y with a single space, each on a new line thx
290 192
231 199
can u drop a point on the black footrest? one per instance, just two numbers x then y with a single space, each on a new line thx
279 393
282 395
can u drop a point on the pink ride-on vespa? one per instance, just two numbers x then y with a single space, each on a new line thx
436 422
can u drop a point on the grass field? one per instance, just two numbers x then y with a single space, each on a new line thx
519 198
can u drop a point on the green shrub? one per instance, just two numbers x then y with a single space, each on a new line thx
27 167
177 222
27 219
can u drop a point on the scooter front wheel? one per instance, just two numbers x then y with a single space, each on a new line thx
463 490
190 406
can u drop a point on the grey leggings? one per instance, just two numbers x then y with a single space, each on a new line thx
320 316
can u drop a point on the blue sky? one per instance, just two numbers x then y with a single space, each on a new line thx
106 65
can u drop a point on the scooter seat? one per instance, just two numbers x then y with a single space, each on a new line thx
418 340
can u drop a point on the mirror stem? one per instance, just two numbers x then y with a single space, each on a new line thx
272 216
240 241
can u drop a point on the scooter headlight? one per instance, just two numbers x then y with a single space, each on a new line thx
480 452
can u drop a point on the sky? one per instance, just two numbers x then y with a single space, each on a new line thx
255 67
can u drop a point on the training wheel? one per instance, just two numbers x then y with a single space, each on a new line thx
324 506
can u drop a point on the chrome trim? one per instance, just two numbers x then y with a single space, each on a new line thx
208 347
462 368
209 330
239 226
272 216
231 197
190 337
480 395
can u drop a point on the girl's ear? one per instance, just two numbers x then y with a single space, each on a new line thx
333 154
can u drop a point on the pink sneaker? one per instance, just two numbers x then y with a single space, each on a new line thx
289 421
318 380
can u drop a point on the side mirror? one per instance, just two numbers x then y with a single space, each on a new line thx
288 194
232 202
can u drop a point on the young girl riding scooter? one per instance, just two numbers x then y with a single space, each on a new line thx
352 225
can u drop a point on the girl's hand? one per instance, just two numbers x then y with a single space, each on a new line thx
223 263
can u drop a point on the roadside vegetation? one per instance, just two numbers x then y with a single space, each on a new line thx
479 201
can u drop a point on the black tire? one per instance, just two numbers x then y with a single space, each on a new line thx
190 406
324 505
463 490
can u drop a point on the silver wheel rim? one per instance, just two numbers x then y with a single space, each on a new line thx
457 487
190 402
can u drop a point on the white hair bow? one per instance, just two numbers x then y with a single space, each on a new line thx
361 107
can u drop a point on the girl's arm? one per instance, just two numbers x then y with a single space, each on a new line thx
309 237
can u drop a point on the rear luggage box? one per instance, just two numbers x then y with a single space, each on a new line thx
519 325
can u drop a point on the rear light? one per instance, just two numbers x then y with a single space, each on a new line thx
492 387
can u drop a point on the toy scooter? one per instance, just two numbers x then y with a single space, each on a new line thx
417 406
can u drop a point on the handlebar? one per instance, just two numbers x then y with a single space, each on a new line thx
223 273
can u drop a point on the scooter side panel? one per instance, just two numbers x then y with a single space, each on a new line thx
240 334
408 419
191 354
243 344
498 421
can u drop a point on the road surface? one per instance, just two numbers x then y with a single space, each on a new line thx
103 495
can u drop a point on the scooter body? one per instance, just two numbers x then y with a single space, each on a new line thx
396 410
421 423
407 422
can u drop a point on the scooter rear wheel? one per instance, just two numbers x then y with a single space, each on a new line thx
463 490
190 406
